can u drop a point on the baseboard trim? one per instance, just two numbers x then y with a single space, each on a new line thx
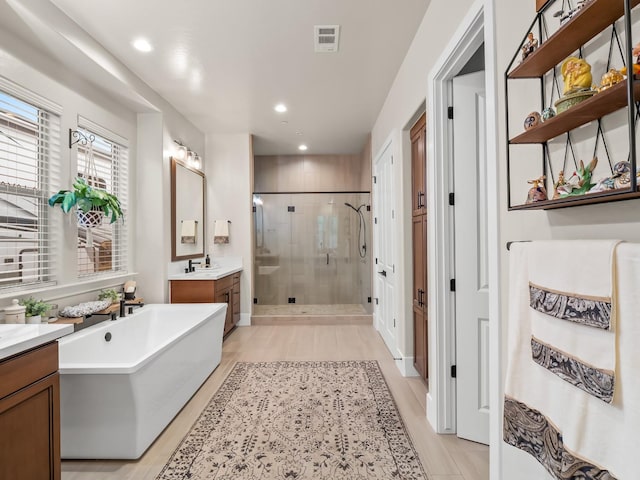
405 365
311 320
245 320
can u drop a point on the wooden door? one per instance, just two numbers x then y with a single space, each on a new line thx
418 167
420 261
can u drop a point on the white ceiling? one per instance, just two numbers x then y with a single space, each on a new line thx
225 63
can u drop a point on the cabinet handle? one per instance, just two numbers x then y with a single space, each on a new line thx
420 199
226 295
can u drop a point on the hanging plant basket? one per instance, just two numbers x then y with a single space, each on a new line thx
91 219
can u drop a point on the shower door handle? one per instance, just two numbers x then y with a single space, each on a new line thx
327 259
383 273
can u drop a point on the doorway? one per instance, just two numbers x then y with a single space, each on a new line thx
443 369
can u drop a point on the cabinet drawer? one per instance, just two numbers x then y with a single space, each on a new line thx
29 367
236 277
224 283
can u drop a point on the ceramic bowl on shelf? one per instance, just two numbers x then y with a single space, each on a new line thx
572 99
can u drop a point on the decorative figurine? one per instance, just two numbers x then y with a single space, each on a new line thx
576 73
548 113
565 17
636 65
580 181
532 120
529 46
621 178
609 79
559 186
537 192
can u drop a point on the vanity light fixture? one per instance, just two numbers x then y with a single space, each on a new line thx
302 147
197 163
181 152
142 45
280 108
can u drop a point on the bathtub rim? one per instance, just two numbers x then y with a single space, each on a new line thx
131 367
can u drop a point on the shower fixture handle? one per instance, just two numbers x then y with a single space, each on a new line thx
383 273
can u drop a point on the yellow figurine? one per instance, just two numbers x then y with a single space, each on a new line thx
576 73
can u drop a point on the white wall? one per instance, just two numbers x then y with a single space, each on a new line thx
610 220
33 63
228 167
407 96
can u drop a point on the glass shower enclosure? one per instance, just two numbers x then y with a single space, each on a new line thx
312 254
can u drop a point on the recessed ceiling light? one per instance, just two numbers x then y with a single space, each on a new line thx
280 108
142 45
302 147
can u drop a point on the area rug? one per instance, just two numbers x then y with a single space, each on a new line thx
298 421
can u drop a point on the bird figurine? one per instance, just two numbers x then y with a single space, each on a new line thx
621 178
580 181
537 192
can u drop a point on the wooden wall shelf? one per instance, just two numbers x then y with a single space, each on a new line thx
592 19
599 105
587 199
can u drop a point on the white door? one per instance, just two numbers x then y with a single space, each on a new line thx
471 268
384 264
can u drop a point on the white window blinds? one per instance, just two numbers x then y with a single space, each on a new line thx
103 249
29 172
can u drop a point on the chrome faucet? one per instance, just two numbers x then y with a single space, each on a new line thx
191 267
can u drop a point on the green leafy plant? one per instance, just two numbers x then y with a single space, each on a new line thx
88 198
34 307
109 294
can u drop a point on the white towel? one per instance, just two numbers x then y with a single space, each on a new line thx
583 269
188 231
221 232
604 434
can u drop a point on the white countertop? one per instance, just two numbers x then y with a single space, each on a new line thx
16 338
212 273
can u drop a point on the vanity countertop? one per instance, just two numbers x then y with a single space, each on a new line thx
215 272
16 338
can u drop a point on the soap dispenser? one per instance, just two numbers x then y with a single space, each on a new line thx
207 261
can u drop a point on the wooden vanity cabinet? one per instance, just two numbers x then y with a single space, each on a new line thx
30 414
224 290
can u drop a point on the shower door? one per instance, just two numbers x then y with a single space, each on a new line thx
312 249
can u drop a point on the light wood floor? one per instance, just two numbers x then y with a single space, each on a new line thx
445 457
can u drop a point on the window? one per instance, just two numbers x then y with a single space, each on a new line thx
29 163
103 249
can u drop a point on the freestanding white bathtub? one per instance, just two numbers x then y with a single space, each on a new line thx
117 395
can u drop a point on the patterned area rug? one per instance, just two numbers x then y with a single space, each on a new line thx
298 420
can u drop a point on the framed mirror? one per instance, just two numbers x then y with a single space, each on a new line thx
187 211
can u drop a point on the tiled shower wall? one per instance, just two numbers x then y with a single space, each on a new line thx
306 244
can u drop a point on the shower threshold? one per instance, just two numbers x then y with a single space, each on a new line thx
310 314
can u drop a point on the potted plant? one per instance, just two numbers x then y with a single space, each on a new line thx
34 309
93 203
109 294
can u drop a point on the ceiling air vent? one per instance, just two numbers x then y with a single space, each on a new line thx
326 38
